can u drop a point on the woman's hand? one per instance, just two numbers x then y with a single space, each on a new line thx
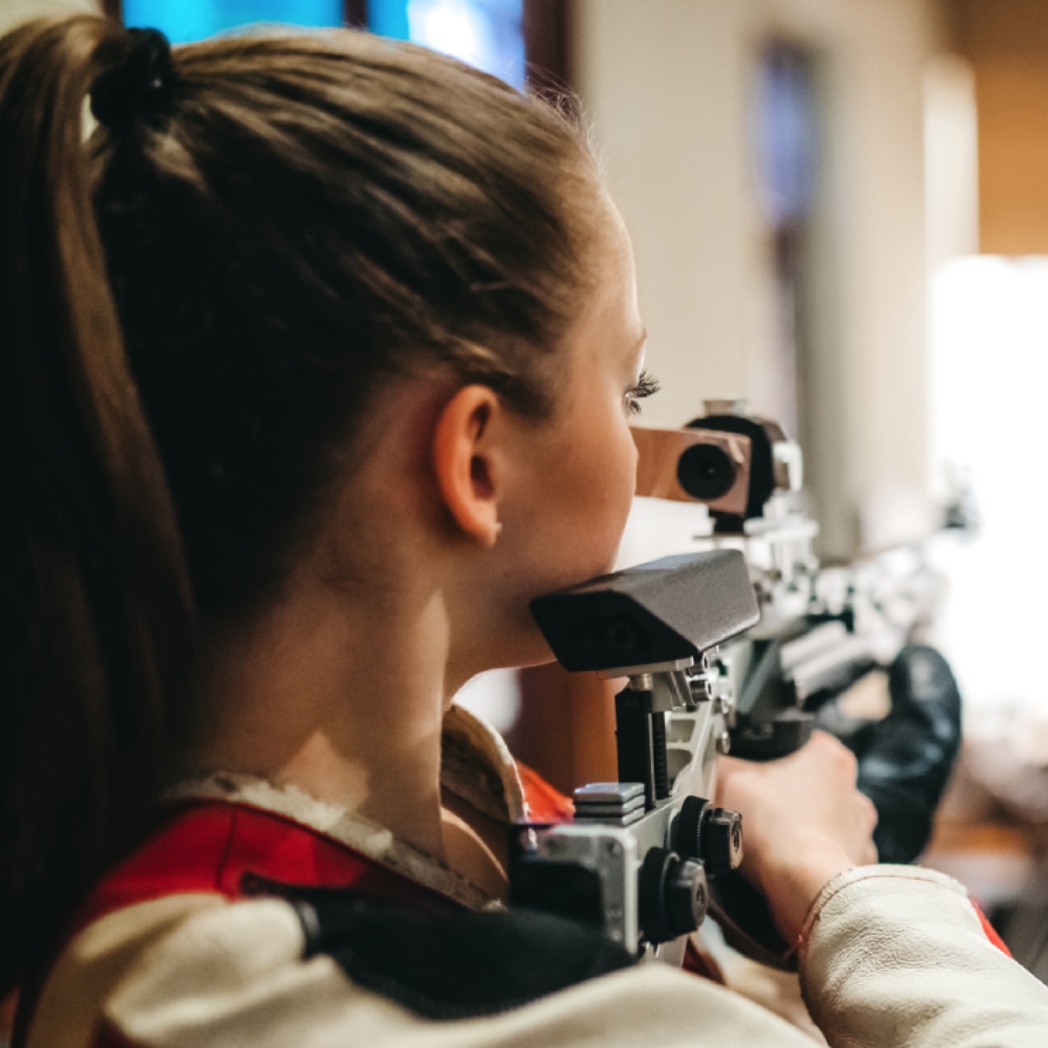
803 823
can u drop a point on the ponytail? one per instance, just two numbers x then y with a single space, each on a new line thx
286 221
96 622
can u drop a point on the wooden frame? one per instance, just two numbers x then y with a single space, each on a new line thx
548 43
355 13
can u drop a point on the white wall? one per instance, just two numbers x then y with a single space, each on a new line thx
668 85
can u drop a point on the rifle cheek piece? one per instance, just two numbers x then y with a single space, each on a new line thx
643 618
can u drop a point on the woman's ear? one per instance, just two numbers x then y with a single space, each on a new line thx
464 462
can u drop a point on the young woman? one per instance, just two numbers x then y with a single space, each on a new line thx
318 357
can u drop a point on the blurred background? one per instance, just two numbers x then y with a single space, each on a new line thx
840 213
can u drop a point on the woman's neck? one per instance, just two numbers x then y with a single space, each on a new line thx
344 701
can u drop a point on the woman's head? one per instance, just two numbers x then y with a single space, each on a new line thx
456 501
309 217
201 301
560 489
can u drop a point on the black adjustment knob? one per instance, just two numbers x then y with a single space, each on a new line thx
721 840
690 827
673 895
687 896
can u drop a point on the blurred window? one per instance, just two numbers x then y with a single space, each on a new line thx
488 34
185 20
786 133
989 376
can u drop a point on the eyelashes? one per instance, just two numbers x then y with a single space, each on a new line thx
646 386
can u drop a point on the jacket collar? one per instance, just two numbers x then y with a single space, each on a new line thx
476 766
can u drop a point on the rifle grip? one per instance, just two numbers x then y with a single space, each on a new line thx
746 923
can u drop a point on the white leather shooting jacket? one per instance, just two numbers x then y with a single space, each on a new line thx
197 944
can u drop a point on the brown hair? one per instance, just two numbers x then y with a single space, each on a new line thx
195 307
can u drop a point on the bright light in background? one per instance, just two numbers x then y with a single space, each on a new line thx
485 33
445 26
990 359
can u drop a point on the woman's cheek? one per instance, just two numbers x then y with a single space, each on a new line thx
627 486
617 486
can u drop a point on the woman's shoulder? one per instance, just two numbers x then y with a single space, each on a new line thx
214 849
268 972
220 836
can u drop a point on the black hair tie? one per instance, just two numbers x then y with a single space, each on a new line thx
140 87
